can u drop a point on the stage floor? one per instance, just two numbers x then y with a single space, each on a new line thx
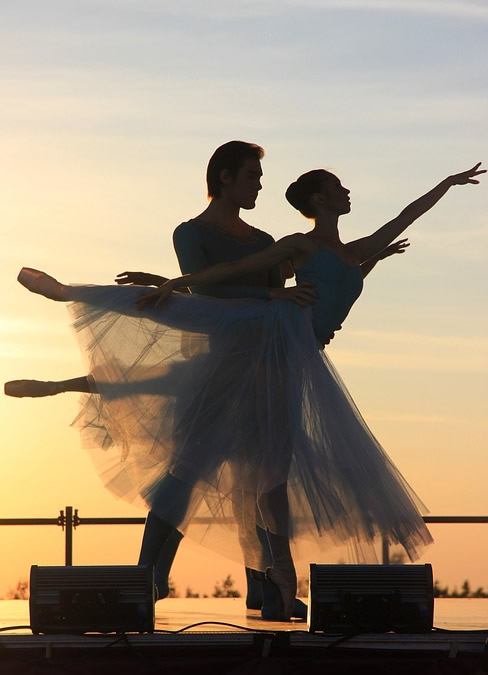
230 616
231 639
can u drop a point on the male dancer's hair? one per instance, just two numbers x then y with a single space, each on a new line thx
230 156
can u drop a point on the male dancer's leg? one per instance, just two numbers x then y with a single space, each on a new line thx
161 538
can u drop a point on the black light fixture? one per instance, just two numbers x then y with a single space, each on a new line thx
86 599
371 598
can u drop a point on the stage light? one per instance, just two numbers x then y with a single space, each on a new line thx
86 599
370 598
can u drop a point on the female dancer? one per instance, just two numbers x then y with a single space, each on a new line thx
252 407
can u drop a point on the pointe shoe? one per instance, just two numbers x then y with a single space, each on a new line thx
41 283
254 595
32 388
272 612
286 583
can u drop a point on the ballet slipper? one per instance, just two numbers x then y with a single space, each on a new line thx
300 609
32 388
254 595
272 612
265 596
286 583
41 283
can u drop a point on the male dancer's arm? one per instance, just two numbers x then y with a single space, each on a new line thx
192 258
143 279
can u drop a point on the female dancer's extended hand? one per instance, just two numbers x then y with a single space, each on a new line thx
467 176
157 296
397 247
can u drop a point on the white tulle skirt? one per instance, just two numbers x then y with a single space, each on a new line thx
205 408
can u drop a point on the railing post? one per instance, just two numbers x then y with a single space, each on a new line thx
69 536
385 551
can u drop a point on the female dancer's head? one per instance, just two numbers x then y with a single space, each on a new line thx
234 171
318 191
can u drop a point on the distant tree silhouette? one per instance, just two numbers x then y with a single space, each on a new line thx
173 593
440 592
466 592
302 587
226 590
191 594
20 592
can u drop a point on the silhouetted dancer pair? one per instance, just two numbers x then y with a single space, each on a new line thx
304 462
216 235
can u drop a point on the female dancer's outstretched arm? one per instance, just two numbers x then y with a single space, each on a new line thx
369 246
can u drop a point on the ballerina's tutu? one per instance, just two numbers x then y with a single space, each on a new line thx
232 398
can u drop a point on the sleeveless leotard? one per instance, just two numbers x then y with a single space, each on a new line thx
338 284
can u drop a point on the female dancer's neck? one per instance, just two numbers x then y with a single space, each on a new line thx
326 228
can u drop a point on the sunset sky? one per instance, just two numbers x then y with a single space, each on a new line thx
110 111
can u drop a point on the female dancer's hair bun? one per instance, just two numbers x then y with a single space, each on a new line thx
300 191
293 195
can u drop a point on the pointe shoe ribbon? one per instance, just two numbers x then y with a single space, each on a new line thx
41 283
286 584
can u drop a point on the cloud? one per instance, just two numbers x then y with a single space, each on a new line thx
459 8
223 10
248 8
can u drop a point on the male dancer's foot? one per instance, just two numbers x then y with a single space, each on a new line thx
40 282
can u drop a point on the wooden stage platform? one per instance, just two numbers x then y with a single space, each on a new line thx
232 640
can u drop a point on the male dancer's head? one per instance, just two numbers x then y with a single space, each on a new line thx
234 174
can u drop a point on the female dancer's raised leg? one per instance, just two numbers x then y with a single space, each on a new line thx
39 388
43 284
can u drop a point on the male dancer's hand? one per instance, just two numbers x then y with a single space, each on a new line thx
302 294
139 279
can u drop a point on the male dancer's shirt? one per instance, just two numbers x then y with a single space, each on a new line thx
199 244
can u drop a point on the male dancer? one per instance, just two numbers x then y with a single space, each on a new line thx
217 235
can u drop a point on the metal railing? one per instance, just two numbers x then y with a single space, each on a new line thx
68 519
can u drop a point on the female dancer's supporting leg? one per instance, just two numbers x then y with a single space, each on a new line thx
275 511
